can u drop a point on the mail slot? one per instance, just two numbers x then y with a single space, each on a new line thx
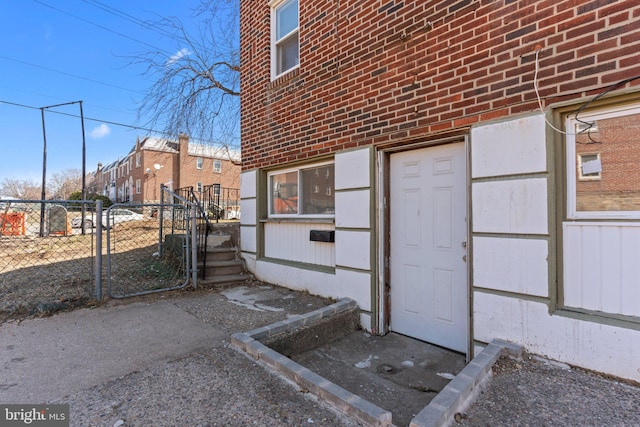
322 236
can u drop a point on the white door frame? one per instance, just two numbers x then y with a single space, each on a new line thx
382 195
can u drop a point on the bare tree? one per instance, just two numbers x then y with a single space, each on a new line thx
62 184
20 189
196 89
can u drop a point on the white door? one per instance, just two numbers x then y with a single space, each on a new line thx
428 232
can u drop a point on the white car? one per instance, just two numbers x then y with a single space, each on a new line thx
116 216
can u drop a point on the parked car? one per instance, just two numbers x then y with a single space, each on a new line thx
116 216
90 221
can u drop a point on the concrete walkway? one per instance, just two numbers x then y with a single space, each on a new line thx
166 360
46 359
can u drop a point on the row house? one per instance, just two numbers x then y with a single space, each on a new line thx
466 170
136 178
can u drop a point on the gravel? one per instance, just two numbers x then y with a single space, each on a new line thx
219 386
536 392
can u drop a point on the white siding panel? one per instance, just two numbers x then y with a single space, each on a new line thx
605 348
248 238
352 169
353 249
602 267
353 209
509 147
248 185
513 206
355 285
248 212
290 241
512 265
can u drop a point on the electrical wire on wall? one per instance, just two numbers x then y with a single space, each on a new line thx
575 113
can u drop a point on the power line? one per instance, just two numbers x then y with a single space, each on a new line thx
69 74
57 98
102 27
124 15
31 107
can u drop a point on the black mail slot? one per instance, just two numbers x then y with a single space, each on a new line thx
322 236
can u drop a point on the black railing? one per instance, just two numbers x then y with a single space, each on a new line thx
214 203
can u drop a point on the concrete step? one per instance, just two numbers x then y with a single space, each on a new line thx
216 240
221 253
225 280
222 268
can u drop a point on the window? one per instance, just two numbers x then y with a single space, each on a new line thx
198 162
296 192
199 187
603 154
137 160
217 165
138 186
285 39
589 167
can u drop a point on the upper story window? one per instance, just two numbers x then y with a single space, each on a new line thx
217 165
603 154
293 191
285 36
137 160
199 163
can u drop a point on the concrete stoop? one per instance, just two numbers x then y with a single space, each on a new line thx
223 266
460 393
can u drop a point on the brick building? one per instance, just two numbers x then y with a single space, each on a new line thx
451 132
136 177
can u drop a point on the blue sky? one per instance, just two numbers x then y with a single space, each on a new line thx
49 57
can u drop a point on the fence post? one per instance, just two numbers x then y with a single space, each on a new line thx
98 237
160 218
194 248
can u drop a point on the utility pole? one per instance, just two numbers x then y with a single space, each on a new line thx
44 166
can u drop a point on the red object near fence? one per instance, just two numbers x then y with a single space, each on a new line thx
12 224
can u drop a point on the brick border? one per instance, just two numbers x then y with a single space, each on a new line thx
455 397
462 391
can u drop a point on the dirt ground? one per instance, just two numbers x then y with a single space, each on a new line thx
43 275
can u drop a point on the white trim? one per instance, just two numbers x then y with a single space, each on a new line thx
570 125
297 170
274 4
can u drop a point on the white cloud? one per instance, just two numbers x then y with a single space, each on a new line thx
178 55
100 131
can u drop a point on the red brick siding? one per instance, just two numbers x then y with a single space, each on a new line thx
377 72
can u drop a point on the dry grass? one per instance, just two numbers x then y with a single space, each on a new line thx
40 275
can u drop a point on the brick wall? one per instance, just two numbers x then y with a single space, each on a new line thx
381 72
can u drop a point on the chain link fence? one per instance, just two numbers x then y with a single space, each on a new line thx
56 255
148 248
47 260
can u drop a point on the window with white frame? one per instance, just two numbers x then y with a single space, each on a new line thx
198 162
217 165
603 154
589 166
285 36
199 187
138 186
292 192
137 160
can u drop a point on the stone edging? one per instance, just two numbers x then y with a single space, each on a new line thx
455 397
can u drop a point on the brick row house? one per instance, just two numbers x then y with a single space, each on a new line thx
469 165
136 178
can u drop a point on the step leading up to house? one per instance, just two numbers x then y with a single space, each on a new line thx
223 266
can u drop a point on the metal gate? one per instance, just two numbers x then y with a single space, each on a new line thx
149 247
